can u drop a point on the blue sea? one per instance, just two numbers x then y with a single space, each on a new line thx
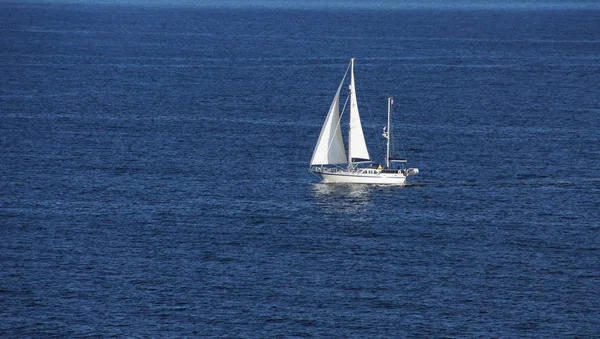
154 183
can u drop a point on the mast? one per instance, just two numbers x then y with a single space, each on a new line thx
350 89
388 134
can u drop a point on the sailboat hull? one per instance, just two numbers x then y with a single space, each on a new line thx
363 178
330 148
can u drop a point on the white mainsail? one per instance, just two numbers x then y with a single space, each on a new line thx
330 147
357 147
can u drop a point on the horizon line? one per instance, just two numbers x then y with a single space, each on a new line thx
333 5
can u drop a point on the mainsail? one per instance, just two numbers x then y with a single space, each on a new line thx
357 147
330 147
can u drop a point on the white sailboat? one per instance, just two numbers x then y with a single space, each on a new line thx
329 156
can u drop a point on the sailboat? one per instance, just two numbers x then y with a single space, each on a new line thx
329 160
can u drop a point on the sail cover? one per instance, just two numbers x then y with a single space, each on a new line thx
357 147
330 147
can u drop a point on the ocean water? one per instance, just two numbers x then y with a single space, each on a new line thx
154 183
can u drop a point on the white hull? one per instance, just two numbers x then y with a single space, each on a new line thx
360 177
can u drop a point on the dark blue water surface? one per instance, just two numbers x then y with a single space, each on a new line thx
153 174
